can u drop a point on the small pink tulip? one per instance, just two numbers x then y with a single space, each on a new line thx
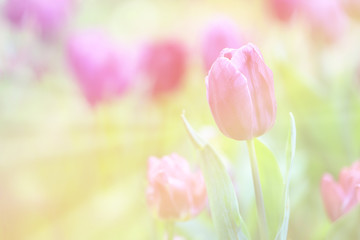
220 33
174 191
283 9
327 20
47 16
164 63
101 69
340 197
240 92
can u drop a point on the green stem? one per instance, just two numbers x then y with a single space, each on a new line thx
258 193
170 226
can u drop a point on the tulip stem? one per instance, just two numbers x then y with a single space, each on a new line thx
170 227
258 192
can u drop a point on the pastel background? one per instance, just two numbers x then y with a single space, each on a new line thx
73 154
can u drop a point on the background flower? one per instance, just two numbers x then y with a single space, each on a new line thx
340 197
284 9
174 192
102 69
220 33
47 17
164 64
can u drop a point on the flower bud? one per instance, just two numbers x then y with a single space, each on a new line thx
240 91
101 69
174 191
164 64
220 33
340 197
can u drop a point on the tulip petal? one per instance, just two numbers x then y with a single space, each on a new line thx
230 100
333 196
174 191
249 62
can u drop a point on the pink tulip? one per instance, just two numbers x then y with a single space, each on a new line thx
174 191
101 69
164 63
47 16
240 92
221 33
283 9
340 197
327 21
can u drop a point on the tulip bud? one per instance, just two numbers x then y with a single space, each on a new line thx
240 91
101 69
340 197
326 19
283 9
47 16
174 192
220 33
164 64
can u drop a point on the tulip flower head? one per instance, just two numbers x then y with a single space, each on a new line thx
47 16
174 191
164 64
340 197
240 91
220 33
102 70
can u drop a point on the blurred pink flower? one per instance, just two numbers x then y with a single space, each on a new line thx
284 9
340 197
220 33
164 64
326 19
174 191
46 15
240 91
102 69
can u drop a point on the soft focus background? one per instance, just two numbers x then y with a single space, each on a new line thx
73 154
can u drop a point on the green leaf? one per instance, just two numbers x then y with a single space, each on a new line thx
290 153
346 227
224 208
272 186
